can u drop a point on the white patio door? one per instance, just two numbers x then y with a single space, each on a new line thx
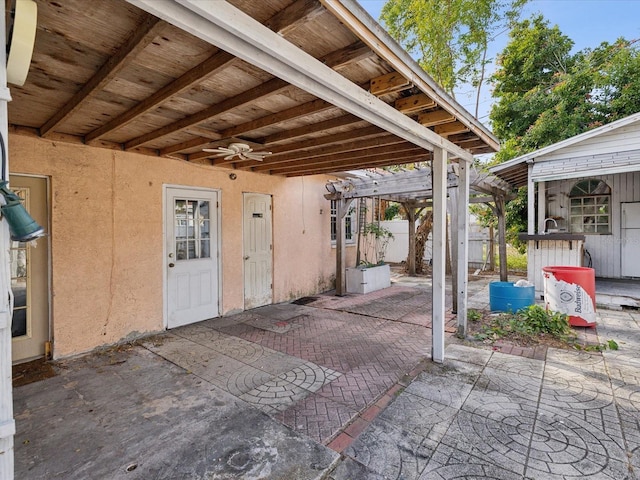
30 276
258 255
630 233
192 269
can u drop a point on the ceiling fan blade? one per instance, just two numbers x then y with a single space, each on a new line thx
228 157
254 156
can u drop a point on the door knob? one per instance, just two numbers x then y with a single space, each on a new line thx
171 265
247 257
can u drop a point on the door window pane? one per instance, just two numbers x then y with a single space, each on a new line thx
192 229
19 279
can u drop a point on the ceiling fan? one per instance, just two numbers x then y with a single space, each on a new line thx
237 149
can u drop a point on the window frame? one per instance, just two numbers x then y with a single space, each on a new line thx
351 223
587 199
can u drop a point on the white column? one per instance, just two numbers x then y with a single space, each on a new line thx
439 238
542 206
531 203
7 425
462 250
341 253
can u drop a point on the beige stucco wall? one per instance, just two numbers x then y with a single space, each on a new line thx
107 241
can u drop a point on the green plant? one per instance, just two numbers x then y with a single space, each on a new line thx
534 323
473 315
538 320
392 211
610 344
375 242
527 324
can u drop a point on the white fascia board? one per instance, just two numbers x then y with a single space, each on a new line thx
225 26
584 173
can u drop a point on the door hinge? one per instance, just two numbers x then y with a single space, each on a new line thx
271 247
217 204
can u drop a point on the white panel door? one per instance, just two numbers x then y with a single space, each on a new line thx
630 233
191 227
258 258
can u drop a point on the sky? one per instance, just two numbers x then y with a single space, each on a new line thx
587 22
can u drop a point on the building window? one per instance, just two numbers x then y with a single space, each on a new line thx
350 223
590 207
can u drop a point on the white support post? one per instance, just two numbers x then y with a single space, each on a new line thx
452 223
341 252
7 424
462 251
542 206
531 203
439 238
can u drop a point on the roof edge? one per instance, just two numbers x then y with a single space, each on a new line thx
623 122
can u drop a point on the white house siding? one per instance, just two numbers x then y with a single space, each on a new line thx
619 140
605 250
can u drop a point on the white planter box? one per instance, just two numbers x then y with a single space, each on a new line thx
365 280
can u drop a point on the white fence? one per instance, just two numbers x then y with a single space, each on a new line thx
479 243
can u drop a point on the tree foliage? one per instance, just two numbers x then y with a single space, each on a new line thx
450 37
546 94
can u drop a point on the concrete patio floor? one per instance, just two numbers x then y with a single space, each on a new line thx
338 388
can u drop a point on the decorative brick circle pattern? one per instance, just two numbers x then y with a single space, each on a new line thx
309 376
274 395
281 392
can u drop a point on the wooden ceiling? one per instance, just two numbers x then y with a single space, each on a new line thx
107 74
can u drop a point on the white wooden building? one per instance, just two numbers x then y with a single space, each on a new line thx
587 186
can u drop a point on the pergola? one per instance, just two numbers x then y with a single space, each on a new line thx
416 189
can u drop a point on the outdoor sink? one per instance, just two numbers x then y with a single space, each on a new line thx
552 234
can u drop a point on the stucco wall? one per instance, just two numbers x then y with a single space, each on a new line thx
107 241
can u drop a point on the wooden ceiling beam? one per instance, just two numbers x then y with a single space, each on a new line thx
210 66
451 128
346 159
315 106
337 59
324 126
436 117
390 83
414 103
329 150
472 144
400 160
354 53
143 35
270 87
307 145
296 14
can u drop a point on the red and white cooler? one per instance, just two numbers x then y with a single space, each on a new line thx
571 290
